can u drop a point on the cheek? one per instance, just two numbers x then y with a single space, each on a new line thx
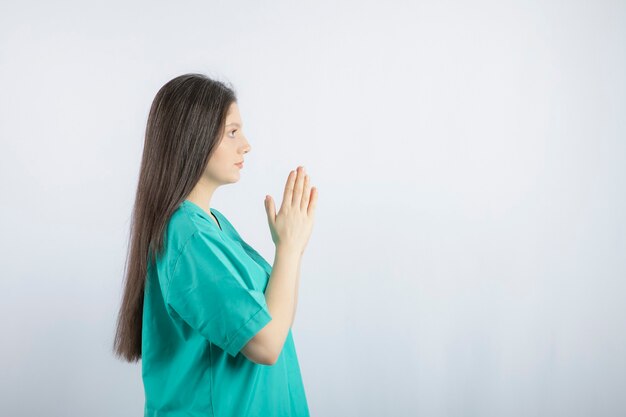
225 149
220 162
219 155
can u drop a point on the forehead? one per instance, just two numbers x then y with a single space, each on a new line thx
233 117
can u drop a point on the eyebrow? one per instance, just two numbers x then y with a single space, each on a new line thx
233 123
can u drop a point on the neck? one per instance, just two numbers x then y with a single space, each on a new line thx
202 193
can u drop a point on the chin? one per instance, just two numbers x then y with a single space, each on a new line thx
235 178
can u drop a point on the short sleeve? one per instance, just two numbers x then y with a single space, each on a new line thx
208 290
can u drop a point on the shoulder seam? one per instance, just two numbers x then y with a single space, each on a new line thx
171 273
182 250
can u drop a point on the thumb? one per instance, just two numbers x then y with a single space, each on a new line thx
270 210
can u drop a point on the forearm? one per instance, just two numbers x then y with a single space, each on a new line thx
295 306
280 296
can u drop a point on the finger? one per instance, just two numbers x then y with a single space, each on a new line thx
305 193
288 193
270 210
312 202
297 190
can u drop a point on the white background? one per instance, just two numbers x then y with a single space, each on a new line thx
468 256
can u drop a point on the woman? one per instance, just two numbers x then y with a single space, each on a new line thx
208 316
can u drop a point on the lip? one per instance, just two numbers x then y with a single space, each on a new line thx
239 164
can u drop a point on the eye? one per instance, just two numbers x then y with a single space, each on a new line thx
233 131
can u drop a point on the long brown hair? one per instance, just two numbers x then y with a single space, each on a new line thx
185 124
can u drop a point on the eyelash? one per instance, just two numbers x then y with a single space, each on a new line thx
233 131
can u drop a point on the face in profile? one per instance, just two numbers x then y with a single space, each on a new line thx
223 167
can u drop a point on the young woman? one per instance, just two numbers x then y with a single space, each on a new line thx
209 318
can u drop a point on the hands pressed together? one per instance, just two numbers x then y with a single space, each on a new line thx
293 224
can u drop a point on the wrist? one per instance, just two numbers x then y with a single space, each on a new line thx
288 251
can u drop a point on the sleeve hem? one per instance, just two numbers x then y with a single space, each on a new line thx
247 331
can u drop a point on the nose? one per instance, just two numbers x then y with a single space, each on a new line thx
247 146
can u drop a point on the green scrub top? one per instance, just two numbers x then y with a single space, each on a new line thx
204 300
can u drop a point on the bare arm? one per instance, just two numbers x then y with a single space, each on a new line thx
295 307
290 230
266 345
